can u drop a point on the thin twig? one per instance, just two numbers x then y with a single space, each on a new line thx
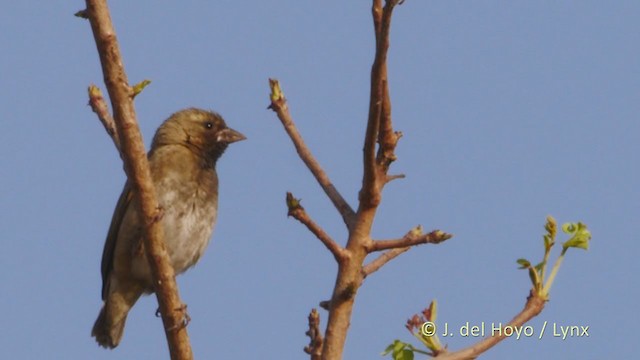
384 258
315 336
297 212
410 239
279 106
390 178
137 168
99 106
396 247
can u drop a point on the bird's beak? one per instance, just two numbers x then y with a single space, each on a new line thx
229 136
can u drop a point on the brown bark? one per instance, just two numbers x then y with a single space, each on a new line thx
376 160
535 305
137 168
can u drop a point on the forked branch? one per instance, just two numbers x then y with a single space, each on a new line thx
279 106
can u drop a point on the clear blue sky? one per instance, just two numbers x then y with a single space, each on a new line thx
511 111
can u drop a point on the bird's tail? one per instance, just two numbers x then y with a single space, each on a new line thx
109 325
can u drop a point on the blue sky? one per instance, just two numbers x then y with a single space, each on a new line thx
510 111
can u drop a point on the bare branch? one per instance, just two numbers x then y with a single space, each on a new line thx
315 336
137 168
412 238
390 178
396 247
533 307
297 211
369 194
350 273
279 106
379 126
99 106
384 258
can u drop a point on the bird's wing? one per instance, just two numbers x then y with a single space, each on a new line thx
112 237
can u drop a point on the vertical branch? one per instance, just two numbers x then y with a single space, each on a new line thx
137 168
350 274
368 192
379 125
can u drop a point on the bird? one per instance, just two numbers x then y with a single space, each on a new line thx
182 162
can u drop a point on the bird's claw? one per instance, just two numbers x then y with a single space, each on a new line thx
186 319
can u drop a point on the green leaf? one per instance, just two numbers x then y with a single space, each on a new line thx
389 348
406 354
433 311
396 349
580 238
137 88
569 228
524 263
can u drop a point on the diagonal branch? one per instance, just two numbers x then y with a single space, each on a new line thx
533 307
297 211
279 106
412 238
137 168
396 247
99 106
381 260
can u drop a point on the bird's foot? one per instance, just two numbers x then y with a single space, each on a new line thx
186 319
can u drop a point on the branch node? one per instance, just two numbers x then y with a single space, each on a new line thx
325 304
137 88
293 204
390 178
278 101
82 14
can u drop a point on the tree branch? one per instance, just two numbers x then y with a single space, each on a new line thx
396 247
297 211
374 177
137 169
315 336
384 258
412 238
99 106
533 307
279 106
379 126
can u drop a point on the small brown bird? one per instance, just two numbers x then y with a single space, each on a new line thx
182 161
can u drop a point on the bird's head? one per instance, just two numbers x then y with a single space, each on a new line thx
203 132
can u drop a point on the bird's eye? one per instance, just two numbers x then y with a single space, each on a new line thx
208 125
